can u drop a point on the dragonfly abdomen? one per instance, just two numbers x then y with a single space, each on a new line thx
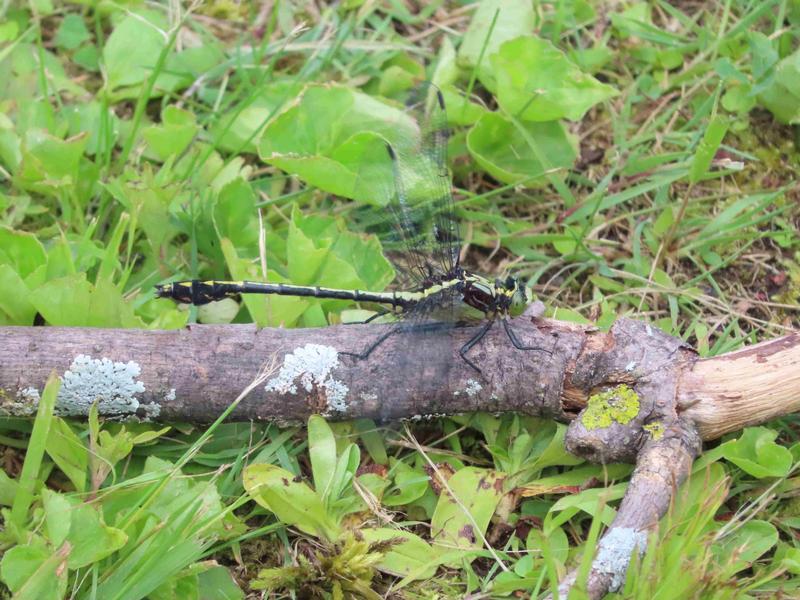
196 292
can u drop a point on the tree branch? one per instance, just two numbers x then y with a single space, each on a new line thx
631 394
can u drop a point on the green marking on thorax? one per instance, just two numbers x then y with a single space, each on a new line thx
617 405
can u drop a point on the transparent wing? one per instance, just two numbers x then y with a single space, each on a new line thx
422 203
408 181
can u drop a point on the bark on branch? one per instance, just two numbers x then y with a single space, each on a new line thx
630 394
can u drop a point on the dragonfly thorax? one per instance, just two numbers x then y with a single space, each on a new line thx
503 297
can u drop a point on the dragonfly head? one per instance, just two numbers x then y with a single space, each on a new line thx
515 294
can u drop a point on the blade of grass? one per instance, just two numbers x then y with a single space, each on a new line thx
35 452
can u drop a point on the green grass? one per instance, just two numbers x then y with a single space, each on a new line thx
637 160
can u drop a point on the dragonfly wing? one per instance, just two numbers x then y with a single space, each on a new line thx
423 202
406 177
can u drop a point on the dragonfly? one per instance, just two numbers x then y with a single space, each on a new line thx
424 246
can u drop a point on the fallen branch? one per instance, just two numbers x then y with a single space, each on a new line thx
630 394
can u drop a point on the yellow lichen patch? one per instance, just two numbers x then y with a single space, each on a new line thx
655 429
617 405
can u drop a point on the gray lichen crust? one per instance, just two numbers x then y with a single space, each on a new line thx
473 388
113 385
24 405
312 366
615 550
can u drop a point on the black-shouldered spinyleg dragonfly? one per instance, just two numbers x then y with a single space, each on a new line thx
440 293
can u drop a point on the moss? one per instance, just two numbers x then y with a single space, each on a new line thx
655 429
617 405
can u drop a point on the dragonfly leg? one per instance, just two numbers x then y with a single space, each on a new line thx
519 345
380 313
474 340
365 354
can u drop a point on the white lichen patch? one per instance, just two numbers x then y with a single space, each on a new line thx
31 394
170 395
368 397
425 417
473 387
25 405
151 411
111 384
615 550
311 367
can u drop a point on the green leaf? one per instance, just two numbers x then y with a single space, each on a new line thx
34 573
514 18
537 82
131 51
216 583
410 484
335 138
71 33
372 439
791 559
461 524
184 584
174 135
57 516
460 110
69 452
73 301
237 130
236 215
15 309
554 542
293 502
322 452
635 20
663 222
8 31
111 448
572 480
87 57
744 545
312 261
50 163
81 525
35 452
149 435
780 93
148 203
554 453
8 489
21 251
593 502
91 540
365 256
707 147
346 468
573 316
738 98
756 453
519 156
408 556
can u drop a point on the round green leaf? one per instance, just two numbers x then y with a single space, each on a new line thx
520 153
537 82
